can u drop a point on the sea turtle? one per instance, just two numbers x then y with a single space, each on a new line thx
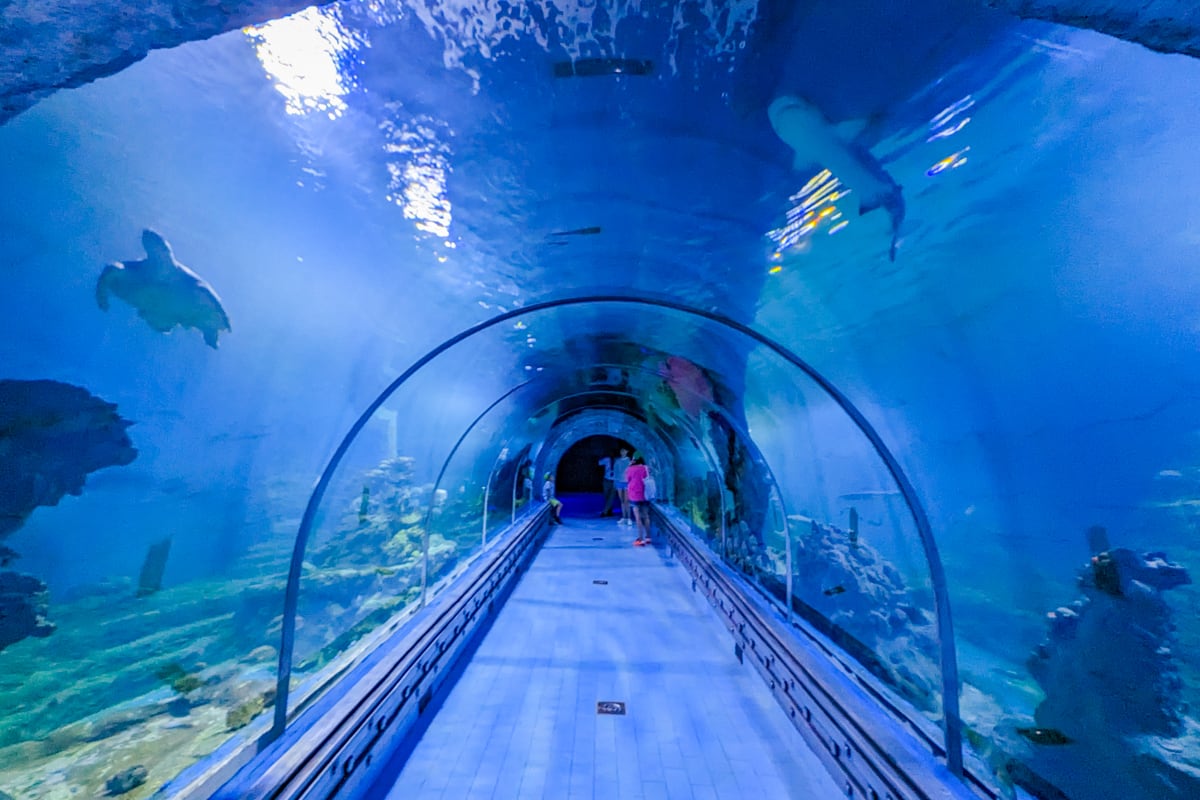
164 292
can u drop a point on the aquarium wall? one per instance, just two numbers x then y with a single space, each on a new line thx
891 291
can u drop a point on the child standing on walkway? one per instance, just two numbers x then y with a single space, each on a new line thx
555 504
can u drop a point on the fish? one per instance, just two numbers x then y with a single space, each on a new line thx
592 67
834 590
591 230
1046 736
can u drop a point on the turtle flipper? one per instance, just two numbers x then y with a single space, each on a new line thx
111 272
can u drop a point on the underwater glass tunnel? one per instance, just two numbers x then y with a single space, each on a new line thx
899 301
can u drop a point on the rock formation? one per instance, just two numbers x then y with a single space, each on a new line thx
1108 663
23 602
46 45
51 436
1112 687
1165 26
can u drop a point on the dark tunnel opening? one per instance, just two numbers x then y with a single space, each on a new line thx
579 471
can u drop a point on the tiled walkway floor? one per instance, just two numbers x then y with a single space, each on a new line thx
521 722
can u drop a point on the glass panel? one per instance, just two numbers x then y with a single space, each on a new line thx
859 570
404 512
698 490
365 564
462 494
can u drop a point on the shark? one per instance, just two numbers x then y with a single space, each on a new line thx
816 141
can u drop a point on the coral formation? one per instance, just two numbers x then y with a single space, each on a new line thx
242 715
392 504
1112 685
1107 663
186 683
139 685
127 780
859 599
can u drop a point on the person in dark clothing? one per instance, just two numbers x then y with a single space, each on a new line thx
610 486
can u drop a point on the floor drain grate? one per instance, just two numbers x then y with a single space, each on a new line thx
610 707
597 538
600 583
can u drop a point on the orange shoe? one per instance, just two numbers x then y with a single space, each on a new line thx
638 543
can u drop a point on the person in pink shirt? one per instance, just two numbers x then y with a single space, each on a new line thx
636 476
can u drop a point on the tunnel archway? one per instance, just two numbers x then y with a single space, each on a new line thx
945 647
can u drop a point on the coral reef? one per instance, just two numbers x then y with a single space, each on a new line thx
389 502
157 679
862 602
186 683
52 435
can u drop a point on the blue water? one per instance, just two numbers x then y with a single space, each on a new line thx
1028 355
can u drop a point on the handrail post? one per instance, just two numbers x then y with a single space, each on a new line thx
787 538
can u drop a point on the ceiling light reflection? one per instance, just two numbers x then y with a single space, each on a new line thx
418 165
304 55
814 206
